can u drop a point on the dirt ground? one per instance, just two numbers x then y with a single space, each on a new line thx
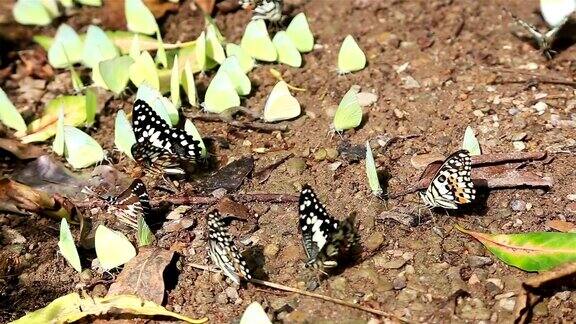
458 54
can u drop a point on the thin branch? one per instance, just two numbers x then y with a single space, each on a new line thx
485 173
500 158
265 127
533 78
309 294
208 200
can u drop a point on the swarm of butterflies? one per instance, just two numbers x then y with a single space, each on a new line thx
161 149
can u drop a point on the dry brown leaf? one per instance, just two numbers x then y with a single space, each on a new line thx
561 226
20 150
229 208
143 276
206 5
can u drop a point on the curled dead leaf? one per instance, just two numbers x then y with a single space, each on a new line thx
143 275
20 150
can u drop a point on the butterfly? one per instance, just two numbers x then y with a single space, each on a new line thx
323 237
130 205
159 147
266 9
222 250
544 40
451 186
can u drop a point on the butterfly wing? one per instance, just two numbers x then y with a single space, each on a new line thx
155 139
223 252
316 227
156 160
132 204
452 184
268 10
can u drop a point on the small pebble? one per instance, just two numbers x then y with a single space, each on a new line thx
519 136
374 241
232 293
399 283
519 146
409 82
222 298
540 107
571 197
571 208
99 290
518 205
476 261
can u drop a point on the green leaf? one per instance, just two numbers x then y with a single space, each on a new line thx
9 115
145 236
31 12
115 73
97 47
91 106
71 308
139 18
536 251
470 142
66 48
67 246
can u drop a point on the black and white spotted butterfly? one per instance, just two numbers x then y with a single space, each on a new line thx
159 147
324 238
222 250
452 185
543 40
264 9
132 204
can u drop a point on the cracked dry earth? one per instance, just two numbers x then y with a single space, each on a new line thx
460 55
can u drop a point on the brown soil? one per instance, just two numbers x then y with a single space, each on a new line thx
455 51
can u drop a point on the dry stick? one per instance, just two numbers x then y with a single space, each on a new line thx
207 200
235 123
309 294
490 182
534 78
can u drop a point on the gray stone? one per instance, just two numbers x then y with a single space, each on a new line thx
399 283
476 261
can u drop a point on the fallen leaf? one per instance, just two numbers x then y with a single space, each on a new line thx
50 176
231 176
229 208
536 251
72 307
561 226
18 198
539 285
143 275
20 150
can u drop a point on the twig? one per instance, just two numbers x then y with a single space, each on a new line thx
534 78
309 294
500 158
235 123
330 299
488 175
263 174
207 200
